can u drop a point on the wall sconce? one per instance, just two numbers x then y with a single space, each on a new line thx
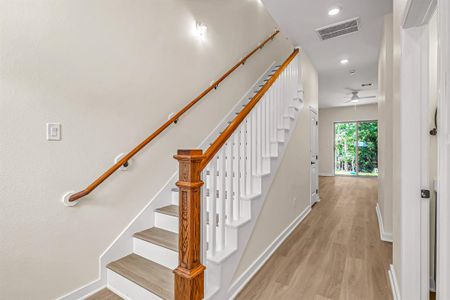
200 30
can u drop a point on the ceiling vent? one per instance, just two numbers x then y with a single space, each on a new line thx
338 29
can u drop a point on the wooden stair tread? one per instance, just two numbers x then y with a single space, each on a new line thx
104 294
145 273
160 237
171 210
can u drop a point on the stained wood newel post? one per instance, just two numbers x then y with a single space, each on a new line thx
189 275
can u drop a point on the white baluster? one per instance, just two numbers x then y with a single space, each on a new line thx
237 174
211 206
229 150
242 160
271 115
248 156
264 126
221 200
253 155
259 139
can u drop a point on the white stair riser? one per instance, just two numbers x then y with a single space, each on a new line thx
287 122
128 289
274 149
166 222
281 135
156 253
175 198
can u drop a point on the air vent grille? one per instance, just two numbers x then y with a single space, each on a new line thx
338 29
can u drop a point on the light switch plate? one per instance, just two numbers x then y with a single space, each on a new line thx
53 131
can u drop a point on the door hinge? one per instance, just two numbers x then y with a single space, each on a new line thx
425 194
317 156
317 191
317 123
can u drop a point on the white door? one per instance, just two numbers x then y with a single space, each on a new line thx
314 155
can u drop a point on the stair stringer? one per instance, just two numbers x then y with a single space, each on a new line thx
224 271
123 243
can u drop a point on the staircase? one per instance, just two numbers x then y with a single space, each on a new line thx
236 180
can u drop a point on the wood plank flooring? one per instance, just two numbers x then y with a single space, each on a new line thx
336 253
104 294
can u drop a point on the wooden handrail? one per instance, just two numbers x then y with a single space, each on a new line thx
144 143
226 134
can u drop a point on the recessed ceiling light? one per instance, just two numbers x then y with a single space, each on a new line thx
344 61
334 11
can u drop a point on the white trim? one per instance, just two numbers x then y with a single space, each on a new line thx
418 12
326 174
394 283
384 236
443 215
314 110
248 274
413 246
432 285
313 198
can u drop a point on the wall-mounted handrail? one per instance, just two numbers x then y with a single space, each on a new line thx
225 135
139 147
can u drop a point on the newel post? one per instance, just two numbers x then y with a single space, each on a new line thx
189 275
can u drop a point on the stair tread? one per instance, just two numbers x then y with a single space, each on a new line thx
171 210
104 294
145 273
160 237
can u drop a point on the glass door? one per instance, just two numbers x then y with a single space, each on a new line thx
368 148
356 148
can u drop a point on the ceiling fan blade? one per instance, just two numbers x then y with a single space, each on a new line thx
368 97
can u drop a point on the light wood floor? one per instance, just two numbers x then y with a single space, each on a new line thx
336 253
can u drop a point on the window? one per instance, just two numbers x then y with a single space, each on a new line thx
356 148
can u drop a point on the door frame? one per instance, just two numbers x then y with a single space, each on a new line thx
443 211
412 211
312 201
334 147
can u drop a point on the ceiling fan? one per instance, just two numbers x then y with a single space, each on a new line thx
356 98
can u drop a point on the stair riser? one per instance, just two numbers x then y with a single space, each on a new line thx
287 122
166 222
175 198
128 289
274 149
281 135
158 254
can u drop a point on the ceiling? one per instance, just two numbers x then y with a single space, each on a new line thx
298 19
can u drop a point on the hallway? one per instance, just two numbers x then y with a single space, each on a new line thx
335 253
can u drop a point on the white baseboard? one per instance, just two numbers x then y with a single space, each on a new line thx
384 236
326 174
394 283
432 285
248 274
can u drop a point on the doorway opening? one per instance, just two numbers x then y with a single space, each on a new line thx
356 148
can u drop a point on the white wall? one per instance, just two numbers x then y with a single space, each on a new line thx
289 194
110 72
385 123
328 116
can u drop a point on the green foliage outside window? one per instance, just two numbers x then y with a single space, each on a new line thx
347 146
